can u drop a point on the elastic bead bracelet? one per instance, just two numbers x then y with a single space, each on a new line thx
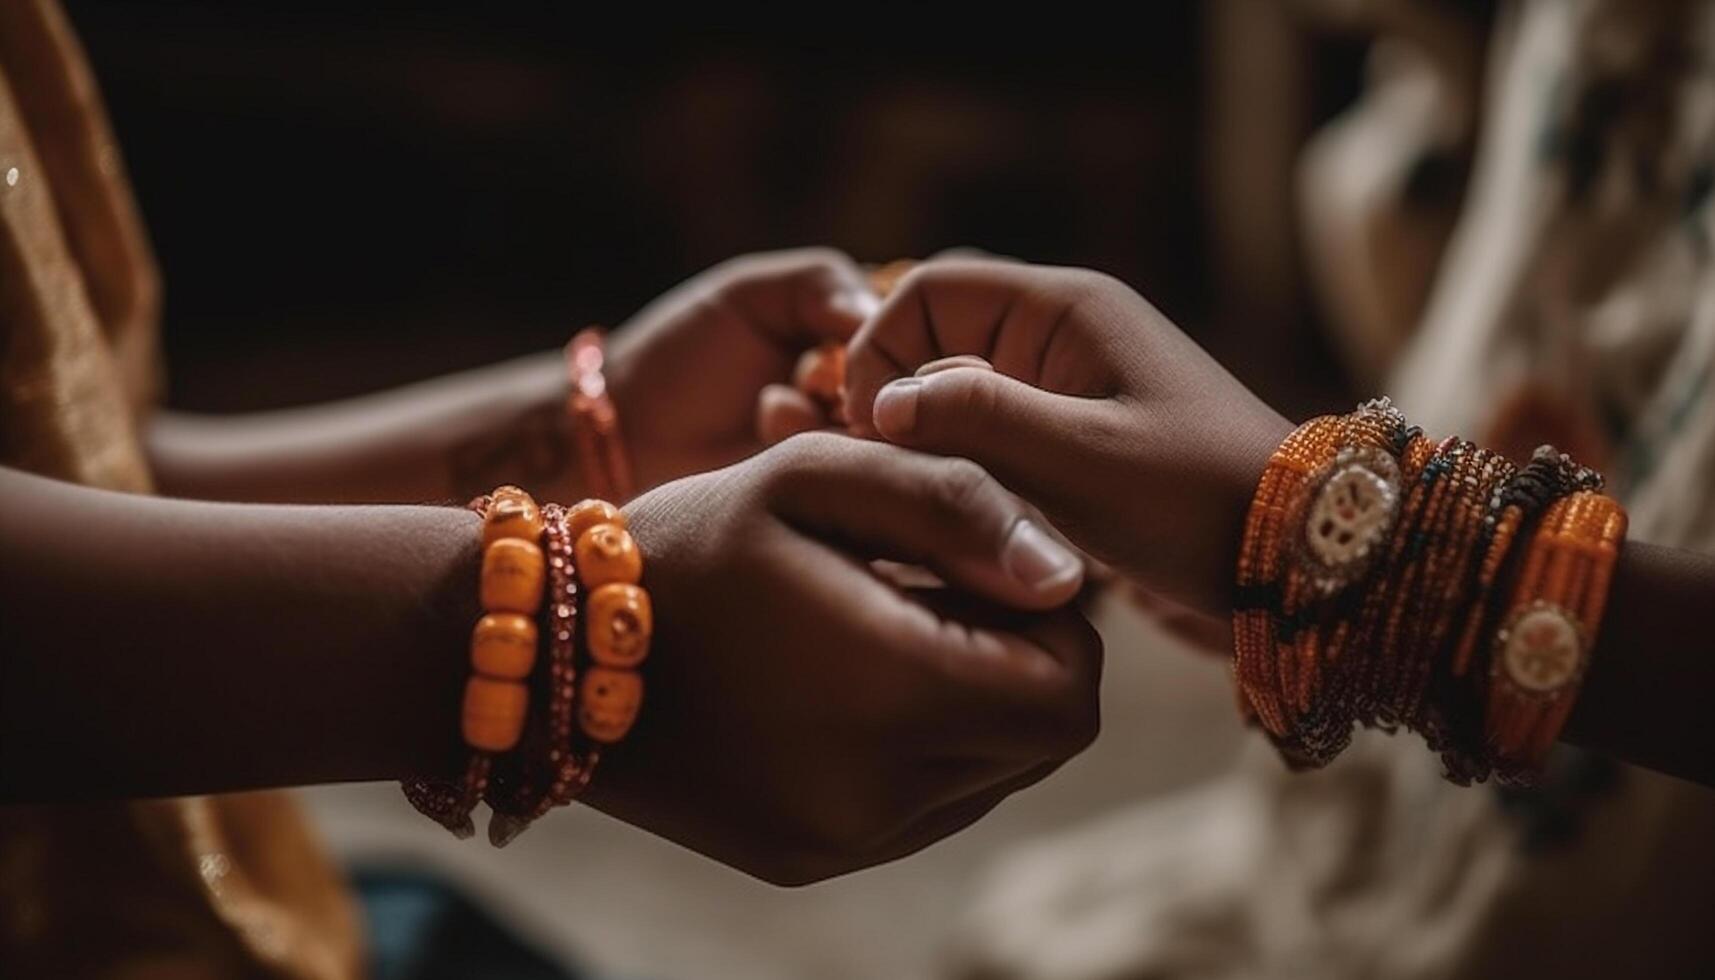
594 420
821 371
503 653
618 624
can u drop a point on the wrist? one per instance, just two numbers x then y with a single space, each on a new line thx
520 434
1251 447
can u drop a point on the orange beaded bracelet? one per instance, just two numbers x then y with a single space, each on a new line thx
1365 573
524 770
821 371
503 654
618 624
1542 650
594 420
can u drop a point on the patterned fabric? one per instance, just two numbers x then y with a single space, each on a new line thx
1575 301
204 887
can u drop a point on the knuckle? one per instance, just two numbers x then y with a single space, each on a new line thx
971 396
959 486
1090 281
1073 286
782 264
800 464
817 258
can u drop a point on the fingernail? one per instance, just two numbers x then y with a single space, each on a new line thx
1037 560
956 361
895 411
859 304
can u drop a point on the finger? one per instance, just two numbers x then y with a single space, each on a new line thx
1001 311
799 297
1017 686
956 361
783 411
972 252
946 514
1032 440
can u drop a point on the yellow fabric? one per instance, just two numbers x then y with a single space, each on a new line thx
201 887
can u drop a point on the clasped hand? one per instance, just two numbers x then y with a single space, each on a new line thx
814 718
808 716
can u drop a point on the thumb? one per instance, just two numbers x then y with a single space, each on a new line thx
1024 435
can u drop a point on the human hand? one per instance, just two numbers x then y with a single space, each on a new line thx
1133 441
685 371
804 717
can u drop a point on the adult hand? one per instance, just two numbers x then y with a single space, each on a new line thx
804 716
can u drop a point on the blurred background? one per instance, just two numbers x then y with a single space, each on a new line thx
408 191
348 196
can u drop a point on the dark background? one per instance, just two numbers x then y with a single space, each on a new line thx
344 197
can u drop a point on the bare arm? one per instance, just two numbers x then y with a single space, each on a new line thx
1146 452
446 439
684 372
1646 696
157 647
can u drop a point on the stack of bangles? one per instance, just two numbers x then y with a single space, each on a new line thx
1388 581
534 724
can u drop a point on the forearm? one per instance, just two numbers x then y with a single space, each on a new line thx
446 439
158 647
1645 698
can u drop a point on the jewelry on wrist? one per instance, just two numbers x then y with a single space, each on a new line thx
1367 574
535 732
594 420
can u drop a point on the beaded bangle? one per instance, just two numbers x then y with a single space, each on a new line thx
1334 484
521 781
1364 578
594 420
503 653
618 618
618 624
1540 653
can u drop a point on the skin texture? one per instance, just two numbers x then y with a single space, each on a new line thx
855 722
804 716
1094 407
454 437
1133 441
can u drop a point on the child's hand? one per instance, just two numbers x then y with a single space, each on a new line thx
1134 441
685 371
805 718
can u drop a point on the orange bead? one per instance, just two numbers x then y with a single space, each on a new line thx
821 372
503 646
620 622
586 514
512 517
512 576
493 716
509 490
608 701
606 553
885 279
